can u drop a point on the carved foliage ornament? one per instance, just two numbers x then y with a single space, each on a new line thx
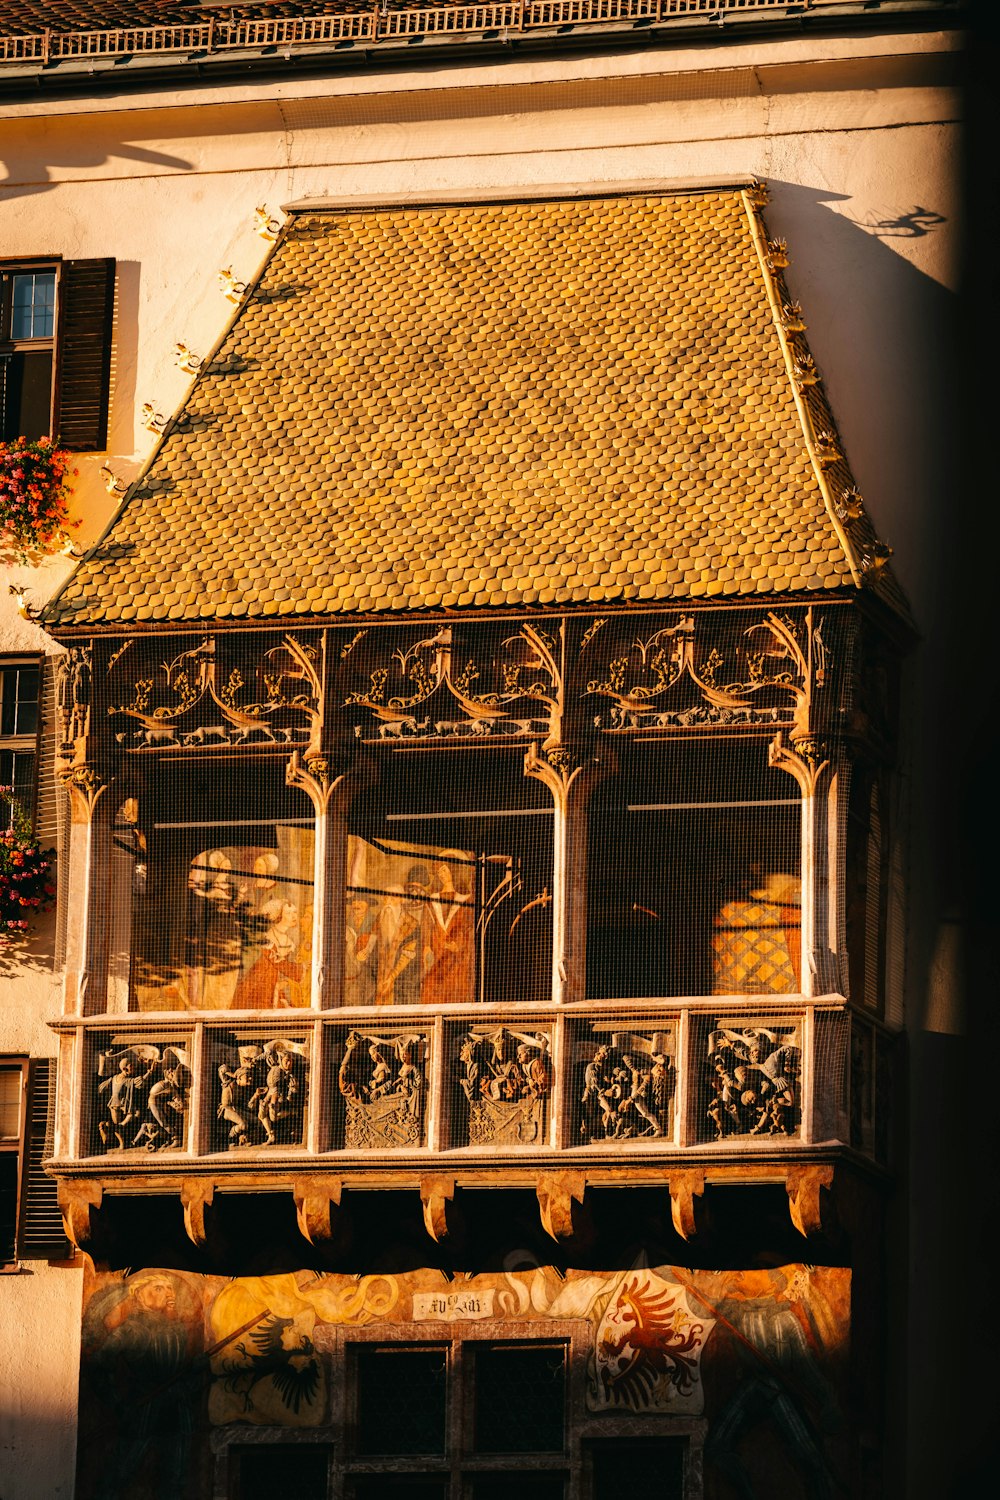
201 697
672 678
420 690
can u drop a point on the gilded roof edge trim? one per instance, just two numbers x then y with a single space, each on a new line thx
751 203
572 192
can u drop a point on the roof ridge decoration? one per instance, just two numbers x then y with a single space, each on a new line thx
866 555
542 403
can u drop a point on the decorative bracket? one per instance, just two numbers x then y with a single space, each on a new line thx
79 1200
685 1186
803 1184
85 786
557 1192
806 758
436 1192
317 1200
196 1200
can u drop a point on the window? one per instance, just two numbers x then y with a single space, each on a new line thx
262 1470
13 1095
493 1414
55 351
30 1222
19 687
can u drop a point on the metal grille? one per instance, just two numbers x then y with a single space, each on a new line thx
402 1400
520 1398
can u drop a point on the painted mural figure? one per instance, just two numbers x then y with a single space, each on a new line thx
275 978
415 943
143 1359
780 1385
360 954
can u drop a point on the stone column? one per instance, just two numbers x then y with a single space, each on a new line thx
85 881
821 776
570 779
330 795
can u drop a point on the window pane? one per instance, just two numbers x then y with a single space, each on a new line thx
10 1104
8 1205
17 770
651 1467
267 1470
18 700
401 1400
27 393
33 305
519 1398
523 1486
225 921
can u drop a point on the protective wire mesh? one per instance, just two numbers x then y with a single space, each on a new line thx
695 881
435 925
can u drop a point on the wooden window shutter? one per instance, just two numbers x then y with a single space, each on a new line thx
83 354
42 1234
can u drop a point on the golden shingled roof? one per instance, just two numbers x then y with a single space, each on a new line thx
498 404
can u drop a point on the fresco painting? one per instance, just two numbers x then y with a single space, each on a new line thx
170 1358
410 924
244 938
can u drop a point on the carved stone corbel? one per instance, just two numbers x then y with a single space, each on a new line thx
684 1187
436 1193
805 759
196 1200
557 1192
317 1200
79 1201
803 1185
85 786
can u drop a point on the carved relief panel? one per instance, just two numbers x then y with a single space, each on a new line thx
625 1084
752 1072
504 1085
260 1092
382 1083
141 1096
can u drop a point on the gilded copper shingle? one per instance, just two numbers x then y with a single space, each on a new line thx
503 404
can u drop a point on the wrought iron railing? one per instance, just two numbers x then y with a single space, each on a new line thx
374 25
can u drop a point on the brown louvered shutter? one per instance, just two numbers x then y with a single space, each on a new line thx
42 1234
83 354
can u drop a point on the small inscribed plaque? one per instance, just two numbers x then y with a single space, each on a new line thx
452 1306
